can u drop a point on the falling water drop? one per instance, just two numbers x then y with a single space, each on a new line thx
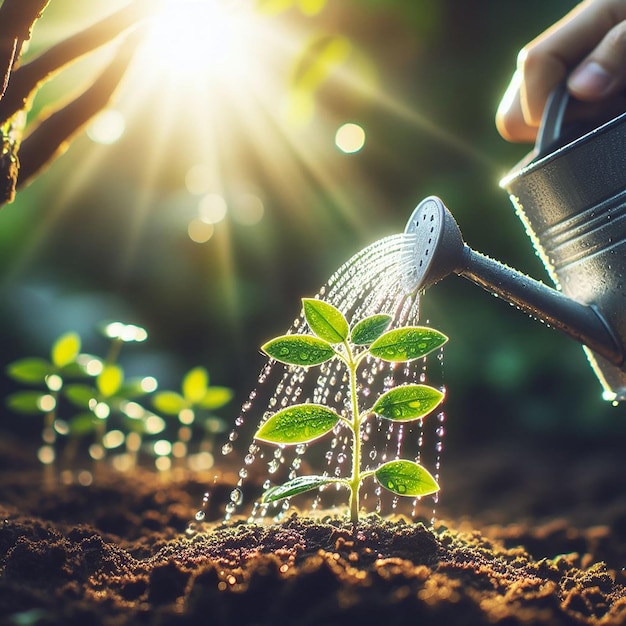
236 496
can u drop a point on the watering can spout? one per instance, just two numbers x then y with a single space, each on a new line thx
438 249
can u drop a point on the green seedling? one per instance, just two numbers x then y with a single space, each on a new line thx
49 376
332 338
86 397
194 407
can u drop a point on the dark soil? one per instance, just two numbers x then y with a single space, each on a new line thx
527 541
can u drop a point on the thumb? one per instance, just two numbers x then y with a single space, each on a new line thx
603 72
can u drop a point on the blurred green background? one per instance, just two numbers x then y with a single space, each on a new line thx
107 232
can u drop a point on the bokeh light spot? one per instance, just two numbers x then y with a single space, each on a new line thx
199 231
248 209
350 138
212 208
107 127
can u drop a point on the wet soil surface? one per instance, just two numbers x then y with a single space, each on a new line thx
517 540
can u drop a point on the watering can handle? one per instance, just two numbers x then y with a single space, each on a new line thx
552 120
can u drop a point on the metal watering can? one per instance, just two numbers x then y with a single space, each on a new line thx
571 196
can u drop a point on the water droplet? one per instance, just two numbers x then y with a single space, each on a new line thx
236 496
200 515
267 484
243 473
273 466
233 436
239 421
227 448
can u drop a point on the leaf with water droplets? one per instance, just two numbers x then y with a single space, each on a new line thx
406 478
408 402
302 350
300 423
370 329
293 487
407 344
326 321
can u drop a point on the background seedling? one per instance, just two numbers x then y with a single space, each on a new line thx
88 398
332 338
194 409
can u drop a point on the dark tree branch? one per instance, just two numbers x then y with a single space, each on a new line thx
53 133
26 80
21 161
17 18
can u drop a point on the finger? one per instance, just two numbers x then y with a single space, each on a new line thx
603 72
547 60
510 120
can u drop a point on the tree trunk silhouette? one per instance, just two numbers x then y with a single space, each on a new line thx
28 148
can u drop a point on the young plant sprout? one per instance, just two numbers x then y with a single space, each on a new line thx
333 339
86 397
194 407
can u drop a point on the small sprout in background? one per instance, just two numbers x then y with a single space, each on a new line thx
87 398
194 407
111 400
50 377
302 423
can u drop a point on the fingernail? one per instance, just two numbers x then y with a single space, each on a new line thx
590 80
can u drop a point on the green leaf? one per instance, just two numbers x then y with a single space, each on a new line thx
406 478
370 329
300 484
407 344
110 380
30 370
132 388
195 384
325 320
302 350
298 424
216 397
408 402
26 402
83 424
65 349
169 402
80 395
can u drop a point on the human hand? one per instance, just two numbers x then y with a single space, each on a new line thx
589 45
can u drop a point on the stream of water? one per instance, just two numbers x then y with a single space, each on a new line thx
373 281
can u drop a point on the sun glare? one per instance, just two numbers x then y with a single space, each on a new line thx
191 37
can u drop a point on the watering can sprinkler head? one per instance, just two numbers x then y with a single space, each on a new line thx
437 250
570 194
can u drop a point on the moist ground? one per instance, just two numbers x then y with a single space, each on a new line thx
514 542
